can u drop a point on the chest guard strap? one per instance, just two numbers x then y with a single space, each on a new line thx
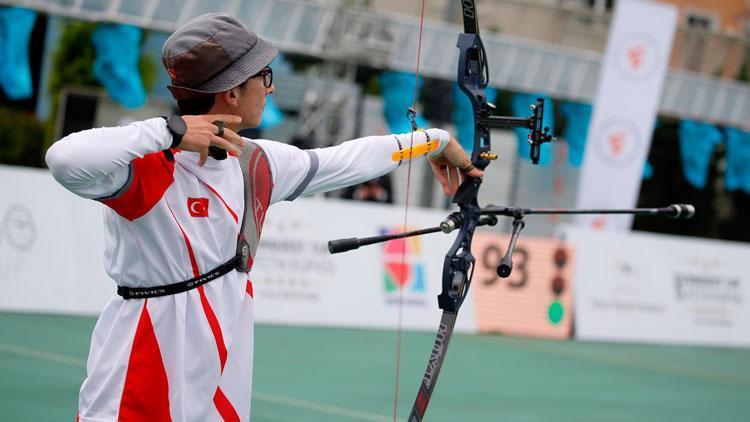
257 191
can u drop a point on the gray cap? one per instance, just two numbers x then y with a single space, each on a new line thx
213 53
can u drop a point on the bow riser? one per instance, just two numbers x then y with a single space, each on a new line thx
472 78
458 265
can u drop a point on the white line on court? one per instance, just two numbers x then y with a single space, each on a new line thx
320 407
626 361
259 395
42 355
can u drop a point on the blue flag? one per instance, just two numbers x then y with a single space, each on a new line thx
116 65
697 142
398 95
737 176
16 25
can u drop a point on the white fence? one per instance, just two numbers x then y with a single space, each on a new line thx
625 287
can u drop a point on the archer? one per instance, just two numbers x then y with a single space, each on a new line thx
178 343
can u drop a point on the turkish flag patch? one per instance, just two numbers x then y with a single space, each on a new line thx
198 207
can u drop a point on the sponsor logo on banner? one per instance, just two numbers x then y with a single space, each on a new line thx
18 228
637 56
711 296
403 270
292 267
598 222
618 142
630 290
18 234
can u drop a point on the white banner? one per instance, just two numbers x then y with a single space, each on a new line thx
298 282
661 289
630 86
51 247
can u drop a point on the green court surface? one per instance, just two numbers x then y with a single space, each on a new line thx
315 374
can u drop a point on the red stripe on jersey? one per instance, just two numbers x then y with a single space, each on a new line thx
145 396
193 261
249 288
213 322
224 406
234 215
151 175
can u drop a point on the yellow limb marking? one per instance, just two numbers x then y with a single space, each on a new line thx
415 151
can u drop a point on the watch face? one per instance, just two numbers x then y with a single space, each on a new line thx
177 125
217 153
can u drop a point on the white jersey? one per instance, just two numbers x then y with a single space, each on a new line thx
187 356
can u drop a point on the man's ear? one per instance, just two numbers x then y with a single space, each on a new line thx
230 97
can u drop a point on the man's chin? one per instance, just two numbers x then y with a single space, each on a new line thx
254 124
248 125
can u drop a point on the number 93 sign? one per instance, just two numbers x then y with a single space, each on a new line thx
536 300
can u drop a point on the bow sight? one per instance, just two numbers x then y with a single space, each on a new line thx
538 135
473 78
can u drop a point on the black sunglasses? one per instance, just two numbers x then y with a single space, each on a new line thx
267 74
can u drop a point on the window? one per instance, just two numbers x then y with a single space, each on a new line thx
597 5
701 20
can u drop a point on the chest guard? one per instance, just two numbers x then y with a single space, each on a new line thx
258 183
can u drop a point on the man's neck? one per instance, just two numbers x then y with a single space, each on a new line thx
223 109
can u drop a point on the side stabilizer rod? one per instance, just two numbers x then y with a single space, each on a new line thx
348 244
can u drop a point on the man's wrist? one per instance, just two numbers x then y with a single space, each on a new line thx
177 128
439 135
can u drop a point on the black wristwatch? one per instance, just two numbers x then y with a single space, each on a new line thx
177 127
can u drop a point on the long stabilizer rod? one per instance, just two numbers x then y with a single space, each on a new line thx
672 211
489 219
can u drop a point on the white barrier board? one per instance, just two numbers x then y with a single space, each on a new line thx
298 282
51 247
661 289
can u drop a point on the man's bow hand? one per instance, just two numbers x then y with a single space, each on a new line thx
451 162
